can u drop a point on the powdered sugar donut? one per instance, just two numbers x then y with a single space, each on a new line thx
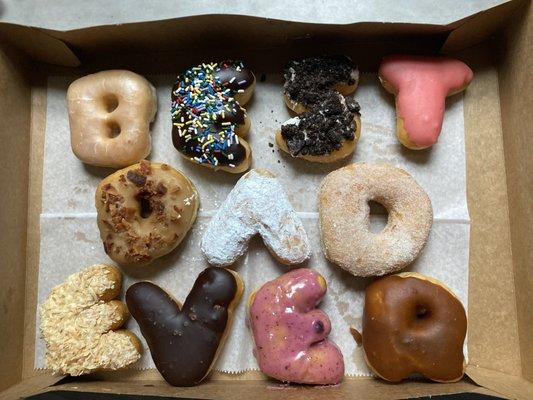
344 218
256 205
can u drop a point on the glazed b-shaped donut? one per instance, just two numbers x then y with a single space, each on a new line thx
421 85
110 114
290 334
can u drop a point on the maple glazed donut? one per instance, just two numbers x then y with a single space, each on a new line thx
208 122
344 211
421 85
110 114
413 324
144 211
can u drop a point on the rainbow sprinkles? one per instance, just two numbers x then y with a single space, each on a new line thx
206 116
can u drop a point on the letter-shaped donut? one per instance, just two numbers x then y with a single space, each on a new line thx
110 114
413 323
421 85
290 334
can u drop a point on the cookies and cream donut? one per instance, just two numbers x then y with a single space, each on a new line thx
110 114
81 320
413 324
144 212
185 341
208 122
421 85
290 334
343 205
328 125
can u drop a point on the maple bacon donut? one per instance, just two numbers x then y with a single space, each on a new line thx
344 211
208 122
144 211
110 114
413 324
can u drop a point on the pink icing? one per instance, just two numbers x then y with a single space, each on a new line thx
422 84
290 333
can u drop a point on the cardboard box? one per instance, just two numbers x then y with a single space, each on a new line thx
497 43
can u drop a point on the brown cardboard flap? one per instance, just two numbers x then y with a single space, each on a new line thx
510 386
15 110
30 386
516 94
39 45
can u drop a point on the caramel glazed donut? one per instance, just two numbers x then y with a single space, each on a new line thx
207 117
329 124
344 218
413 324
144 211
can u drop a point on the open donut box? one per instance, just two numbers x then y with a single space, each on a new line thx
496 43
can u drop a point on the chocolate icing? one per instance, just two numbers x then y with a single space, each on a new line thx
205 112
323 130
413 325
184 343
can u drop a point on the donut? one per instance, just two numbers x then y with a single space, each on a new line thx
208 122
413 324
80 324
110 114
144 211
290 333
344 211
421 85
257 204
185 341
328 124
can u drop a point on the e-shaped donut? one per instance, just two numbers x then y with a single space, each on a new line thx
328 124
421 85
208 122
144 212
344 210
413 324
290 333
110 114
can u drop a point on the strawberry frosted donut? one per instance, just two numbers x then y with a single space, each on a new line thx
421 85
290 334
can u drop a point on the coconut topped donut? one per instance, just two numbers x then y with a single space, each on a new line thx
207 117
329 125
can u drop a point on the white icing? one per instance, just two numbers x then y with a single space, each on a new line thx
257 204
292 121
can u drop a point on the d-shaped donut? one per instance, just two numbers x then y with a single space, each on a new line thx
110 114
345 225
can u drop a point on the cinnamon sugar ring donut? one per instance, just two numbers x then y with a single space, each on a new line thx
110 114
328 125
144 212
344 210
208 122
413 324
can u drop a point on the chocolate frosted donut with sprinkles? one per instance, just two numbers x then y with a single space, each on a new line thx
208 120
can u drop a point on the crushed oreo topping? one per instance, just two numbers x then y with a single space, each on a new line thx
310 80
322 130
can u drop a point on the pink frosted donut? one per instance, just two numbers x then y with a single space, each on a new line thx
290 334
421 85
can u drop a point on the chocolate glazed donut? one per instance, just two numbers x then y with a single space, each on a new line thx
185 342
413 324
207 116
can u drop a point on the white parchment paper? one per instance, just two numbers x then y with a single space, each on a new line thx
70 239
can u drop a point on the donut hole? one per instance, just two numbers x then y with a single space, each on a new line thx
378 217
110 102
113 129
422 312
145 207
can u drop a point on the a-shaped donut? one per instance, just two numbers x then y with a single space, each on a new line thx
344 211
208 122
413 324
290 333
144 212
110 114
421 85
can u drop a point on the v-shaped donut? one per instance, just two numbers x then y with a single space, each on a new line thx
256 205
